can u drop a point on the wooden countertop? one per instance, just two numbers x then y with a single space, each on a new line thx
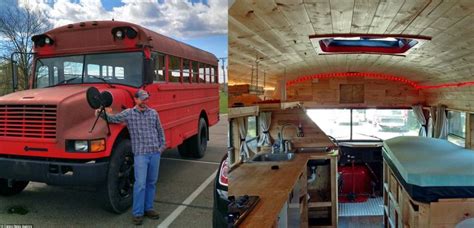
273 186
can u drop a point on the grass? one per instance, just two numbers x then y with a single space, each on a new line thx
223 102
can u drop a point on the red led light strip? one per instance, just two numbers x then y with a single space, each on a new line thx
380 76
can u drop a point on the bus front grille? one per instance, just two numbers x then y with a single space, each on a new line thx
28 121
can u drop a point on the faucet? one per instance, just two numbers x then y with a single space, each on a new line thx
283 146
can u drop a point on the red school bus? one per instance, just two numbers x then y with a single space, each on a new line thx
45 131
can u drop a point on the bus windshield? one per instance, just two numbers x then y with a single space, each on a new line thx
118 68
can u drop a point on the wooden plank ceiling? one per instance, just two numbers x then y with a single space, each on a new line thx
276 32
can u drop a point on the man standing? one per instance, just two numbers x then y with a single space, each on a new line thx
148 142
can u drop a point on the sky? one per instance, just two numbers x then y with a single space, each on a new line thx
200 23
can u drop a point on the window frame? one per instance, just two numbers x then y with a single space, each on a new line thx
170 71
453 135
351 124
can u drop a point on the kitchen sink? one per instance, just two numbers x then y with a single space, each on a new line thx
268 157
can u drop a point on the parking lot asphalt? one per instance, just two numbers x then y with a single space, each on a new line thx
184 195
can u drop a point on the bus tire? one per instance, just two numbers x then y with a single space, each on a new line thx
15 188
183 149
198 143
117 191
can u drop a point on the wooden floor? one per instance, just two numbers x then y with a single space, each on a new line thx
361 221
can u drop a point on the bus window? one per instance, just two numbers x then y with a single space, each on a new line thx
208 74
104 71
107 72
130 62
159 61
119 73
174 69
186 70
214 75
42 78
202 71
457 127
195 71
93 69
72 70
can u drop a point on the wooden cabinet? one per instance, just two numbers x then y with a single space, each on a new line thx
323 205
400 210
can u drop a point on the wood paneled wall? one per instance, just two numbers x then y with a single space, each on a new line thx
461 98
313 135
376 93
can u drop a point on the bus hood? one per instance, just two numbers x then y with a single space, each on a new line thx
52 95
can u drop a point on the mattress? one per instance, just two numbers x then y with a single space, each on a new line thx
431 169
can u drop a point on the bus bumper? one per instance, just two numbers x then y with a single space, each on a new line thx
55 173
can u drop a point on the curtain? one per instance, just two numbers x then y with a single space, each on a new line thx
431 121
440 128
244 148
429 132
418 110
265 120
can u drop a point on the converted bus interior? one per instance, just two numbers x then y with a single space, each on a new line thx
351 113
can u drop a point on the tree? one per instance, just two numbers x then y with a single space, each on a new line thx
17 25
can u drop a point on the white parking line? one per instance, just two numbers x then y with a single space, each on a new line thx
204 162
187 201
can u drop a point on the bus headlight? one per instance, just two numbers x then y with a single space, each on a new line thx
81 146
84 146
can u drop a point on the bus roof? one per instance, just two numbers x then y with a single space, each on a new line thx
97 37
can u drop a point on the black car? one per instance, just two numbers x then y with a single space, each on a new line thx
221 201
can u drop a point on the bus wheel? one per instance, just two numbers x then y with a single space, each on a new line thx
118 189
198 143
183 149
12 188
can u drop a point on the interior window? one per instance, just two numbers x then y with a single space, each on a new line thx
174 69
457 127
252 133
334 122
365 124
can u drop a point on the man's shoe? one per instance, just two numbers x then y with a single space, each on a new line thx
152 214
137 220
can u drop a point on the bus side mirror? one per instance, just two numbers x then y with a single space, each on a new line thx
14 67
149 73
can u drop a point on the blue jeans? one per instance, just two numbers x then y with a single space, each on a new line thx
146 167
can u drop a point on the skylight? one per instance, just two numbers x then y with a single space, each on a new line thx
365 43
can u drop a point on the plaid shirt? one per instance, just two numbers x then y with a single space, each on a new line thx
144 127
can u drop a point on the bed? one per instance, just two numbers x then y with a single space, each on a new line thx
431 169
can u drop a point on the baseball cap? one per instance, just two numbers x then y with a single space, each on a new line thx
142 94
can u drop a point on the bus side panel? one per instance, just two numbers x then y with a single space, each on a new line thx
179 106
